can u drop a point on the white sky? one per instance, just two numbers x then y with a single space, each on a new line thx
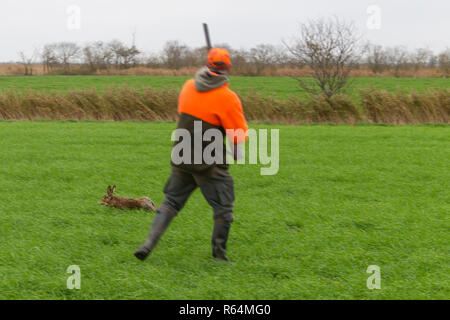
29 24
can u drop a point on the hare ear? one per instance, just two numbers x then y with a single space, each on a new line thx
113 189
109 191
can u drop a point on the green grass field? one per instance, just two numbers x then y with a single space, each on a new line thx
274 86
344 198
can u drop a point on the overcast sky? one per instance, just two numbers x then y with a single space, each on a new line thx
29 24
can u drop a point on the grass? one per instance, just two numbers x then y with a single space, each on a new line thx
344 198
280 87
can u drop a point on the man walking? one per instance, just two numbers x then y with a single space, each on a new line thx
208 101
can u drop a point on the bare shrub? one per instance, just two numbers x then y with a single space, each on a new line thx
330 49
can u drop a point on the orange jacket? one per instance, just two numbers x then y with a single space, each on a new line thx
219 107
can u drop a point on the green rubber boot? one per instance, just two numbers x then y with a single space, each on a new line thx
219 240
160 224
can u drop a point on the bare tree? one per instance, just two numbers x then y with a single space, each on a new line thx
444 62
130 56
397 58
375 57
330 49
264 56
97 55
239 59
199 55
421 58
153 61
174 54
66 53
123 56
116 48
434 60
49 59
27 62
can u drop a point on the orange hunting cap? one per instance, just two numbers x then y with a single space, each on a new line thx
219 59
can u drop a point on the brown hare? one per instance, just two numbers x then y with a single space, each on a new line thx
109 199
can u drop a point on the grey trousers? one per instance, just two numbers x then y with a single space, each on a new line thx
217 188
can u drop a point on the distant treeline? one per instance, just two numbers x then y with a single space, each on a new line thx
176 58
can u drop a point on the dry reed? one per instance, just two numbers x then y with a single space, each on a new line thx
149 104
